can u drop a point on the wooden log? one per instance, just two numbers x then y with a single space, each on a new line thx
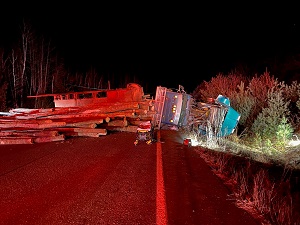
41 121
32 124
90 130
140 117
118 123
27 121
126 129
83 125
112 107
6 133
28 133
49 110
42 133
28 110
6 114
65 110
81 130
19 125
87 112
7 120
143 112
147 105
23 110
54 124
135 122
49 139
104 116
42 114
96 121
118 114
24 117
91 134
46 125
77 134
87 124
15 140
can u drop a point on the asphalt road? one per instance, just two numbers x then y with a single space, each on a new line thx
109 180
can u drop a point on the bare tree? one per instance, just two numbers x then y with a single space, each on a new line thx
17 84
3 81
35 67
17 68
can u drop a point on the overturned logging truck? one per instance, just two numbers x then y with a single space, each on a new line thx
93 113
177 108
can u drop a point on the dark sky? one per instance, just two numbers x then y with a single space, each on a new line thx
162 44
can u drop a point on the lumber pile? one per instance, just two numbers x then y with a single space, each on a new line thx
29 126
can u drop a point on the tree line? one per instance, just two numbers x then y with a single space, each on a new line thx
33 66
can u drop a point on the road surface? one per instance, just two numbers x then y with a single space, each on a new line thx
109 180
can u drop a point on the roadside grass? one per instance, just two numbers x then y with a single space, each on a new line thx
265 185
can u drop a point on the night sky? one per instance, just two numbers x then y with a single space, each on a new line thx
161 44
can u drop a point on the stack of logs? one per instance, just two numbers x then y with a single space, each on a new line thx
28 126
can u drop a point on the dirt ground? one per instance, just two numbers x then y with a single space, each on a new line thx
253 181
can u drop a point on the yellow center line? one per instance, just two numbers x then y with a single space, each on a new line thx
161 209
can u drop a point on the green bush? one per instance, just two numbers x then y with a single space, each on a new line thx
269 109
